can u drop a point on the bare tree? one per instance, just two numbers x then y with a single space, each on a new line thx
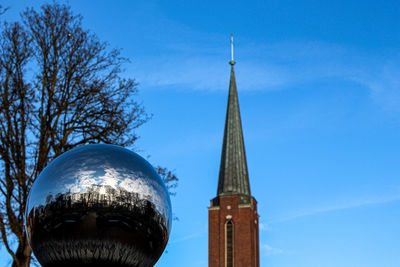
60 87
2 10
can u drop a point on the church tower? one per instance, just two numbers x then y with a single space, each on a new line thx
233 220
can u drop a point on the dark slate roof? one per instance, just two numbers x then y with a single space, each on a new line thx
233 174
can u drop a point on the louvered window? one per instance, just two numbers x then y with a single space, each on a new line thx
229 244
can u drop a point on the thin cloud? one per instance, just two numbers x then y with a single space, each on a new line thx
201 263
260 67
264 227
187 237
269 250
375 200
278 66
190 144
384 84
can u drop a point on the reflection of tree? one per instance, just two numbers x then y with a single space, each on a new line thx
115 210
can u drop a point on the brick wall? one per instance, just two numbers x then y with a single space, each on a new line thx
246 240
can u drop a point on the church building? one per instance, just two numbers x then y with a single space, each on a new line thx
233 239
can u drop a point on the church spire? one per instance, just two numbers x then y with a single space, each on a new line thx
233 174
233 238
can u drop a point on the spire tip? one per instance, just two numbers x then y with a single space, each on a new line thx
232 62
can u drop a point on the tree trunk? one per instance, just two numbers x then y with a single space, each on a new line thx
23 255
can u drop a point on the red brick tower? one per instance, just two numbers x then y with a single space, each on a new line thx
233 219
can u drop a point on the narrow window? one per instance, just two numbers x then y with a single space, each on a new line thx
229 244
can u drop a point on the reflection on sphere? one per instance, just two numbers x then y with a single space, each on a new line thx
98 205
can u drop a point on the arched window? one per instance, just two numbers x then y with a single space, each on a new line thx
229 243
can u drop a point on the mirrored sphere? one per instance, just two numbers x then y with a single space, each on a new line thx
98 205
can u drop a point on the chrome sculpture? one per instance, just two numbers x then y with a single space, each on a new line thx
98 205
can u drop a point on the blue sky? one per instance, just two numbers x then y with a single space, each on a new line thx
319 90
